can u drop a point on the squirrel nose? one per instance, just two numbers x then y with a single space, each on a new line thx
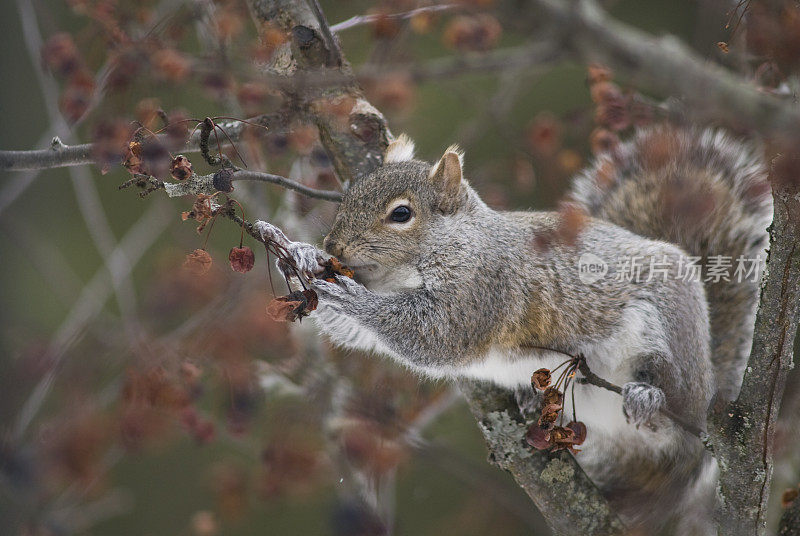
332 246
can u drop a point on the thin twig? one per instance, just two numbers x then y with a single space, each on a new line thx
535 54
246 175
90 303
360 20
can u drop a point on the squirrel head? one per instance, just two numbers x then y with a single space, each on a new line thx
384 217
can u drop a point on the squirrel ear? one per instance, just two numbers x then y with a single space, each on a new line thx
446 174
400 150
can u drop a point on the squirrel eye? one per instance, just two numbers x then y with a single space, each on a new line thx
400 214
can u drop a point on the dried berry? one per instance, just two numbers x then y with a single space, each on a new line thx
477 33
423 22
552 396
171 65
223 180
252 94
332 267
569 161
202 430
605 92
242 259
580 431
598 73
538 437
110 141
549 415
202 211
384 26
544 134
198 262
76 98
176 130
156 159
296 305
228 24
394 90
133 155
60 54
180 168
541 379
613 114
563 438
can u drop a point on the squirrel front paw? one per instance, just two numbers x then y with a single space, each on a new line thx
307 258
344 290
641 401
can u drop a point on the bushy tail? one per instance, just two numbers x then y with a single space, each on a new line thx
707 193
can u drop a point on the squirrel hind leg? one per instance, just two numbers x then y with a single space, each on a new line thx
641 401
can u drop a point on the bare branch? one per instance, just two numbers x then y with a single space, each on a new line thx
355 146
60 155
566 497
593 379
539 53
360 20
743 430
90 303
328 195
664 65
204 184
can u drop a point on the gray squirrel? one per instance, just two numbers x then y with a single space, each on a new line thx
454 289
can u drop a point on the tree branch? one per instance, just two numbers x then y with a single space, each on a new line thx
360 20
562 492
356 145
743 430
57 155
536 54
328 195
664 65
60 155
204 184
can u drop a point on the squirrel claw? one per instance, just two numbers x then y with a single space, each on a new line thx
307 259
344 289
641 401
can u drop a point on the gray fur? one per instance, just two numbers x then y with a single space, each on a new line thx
528 399
705 168
478 295
641 401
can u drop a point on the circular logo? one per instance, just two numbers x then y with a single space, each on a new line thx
591 268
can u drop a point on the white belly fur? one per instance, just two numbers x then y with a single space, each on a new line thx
611 359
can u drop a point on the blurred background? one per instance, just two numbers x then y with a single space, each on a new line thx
137 398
